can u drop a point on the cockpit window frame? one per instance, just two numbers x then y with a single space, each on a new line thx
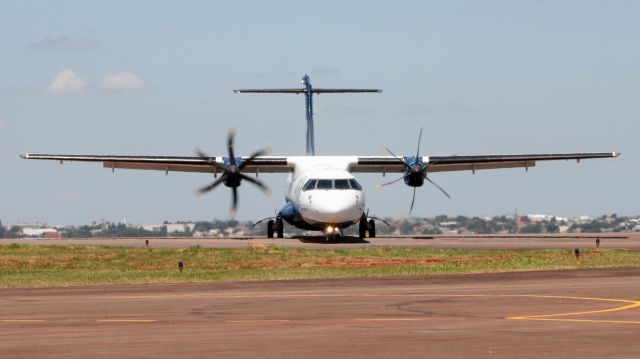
330 184
354 184
310 185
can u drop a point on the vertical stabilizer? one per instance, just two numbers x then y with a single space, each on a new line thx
308 92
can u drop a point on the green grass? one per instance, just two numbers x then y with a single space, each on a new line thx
28 266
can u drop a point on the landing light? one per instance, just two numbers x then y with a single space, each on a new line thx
331 229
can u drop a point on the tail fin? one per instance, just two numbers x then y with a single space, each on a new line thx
308 92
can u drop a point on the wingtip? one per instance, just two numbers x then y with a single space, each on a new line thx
616 154
25 156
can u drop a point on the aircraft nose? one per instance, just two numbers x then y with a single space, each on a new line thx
335 206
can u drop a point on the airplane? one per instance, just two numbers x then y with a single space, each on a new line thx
322 192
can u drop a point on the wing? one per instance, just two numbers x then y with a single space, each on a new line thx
169 163
386 164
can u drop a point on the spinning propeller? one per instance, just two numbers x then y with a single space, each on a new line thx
231 169
415 172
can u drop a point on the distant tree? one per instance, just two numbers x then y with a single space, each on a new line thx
13 232
406 227
2 230
431 230
553 228
532 228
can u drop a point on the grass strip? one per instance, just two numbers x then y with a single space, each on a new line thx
35 266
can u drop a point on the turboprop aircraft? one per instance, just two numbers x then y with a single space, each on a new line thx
322 193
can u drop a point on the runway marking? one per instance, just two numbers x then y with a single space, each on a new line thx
554 317
250 321
392 319
21 320
628 304
126 320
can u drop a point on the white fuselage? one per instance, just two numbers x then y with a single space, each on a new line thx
324 191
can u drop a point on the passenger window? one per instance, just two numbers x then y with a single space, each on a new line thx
325 184
311 184
354 184
342 184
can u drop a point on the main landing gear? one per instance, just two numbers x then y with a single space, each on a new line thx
365 226
275 227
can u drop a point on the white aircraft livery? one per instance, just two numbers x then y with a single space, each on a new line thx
322 193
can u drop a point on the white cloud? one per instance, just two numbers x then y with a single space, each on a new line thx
66 82
66 42
122 81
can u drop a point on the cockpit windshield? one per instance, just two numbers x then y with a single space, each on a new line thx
331 184
341 184
325 184
309 185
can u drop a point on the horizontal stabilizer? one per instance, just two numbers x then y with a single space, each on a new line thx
345 90
270 91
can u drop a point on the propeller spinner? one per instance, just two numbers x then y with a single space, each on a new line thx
415 172
231 169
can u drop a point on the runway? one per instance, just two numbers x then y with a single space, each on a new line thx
506 242
578 313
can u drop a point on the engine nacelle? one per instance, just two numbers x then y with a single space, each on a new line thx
415 171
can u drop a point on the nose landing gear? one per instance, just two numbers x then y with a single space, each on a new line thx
332 234
275 227
365 226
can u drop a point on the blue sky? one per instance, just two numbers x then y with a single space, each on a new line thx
156 78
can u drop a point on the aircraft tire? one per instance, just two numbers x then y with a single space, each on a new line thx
280 229
362 228
270 229
372 228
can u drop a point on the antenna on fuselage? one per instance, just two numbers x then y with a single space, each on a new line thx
308 92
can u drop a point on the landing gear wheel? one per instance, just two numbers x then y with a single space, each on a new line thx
362 227
270 229
337 237
372 228
279 227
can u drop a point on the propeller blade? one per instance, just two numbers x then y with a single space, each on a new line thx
440 188
257 182
388 150
210 160
388 183
261 152
413 199
419 139
234 200
232 157
211 186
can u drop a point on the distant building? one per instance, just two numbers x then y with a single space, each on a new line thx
40 232
180 227
583 219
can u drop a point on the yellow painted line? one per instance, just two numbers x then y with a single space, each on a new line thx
630 304
258 321
392 319
21 320
126 320
579 320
